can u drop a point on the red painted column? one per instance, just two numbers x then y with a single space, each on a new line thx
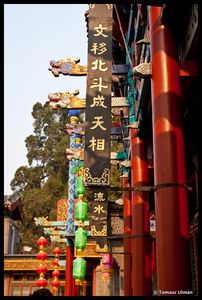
78 290
69 270
127 231
141 246
171 207
73 288
94 282
7 284
84 288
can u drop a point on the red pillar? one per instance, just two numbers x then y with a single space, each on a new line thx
7 284
69 269
127 231
77 290
171 208
141 246
94 282
73 288
84 288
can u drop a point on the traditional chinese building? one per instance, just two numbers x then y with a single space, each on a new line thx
20 269
155 49
20 274
147 56
12 212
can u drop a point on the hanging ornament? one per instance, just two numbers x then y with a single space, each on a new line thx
79 270
42 269
55 274
107 265
80 188
80 238
81 210
42 242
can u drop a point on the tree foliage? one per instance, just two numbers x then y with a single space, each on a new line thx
44 181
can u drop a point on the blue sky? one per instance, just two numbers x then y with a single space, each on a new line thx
33 35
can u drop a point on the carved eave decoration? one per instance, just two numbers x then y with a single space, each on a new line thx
13 208
67 67
26 265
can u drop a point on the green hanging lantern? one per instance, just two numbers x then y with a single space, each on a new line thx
80 189
81 211
80 238
79 269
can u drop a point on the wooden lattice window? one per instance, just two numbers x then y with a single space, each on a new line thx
18 277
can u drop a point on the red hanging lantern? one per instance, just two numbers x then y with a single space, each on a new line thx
55 274
42 269
55 283
55 261
57 251
41 282
41 255
42 241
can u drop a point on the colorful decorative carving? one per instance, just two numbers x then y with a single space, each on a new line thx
143 70
26 264
104 179
67 67
102 232
104 249
75 153
65 100
75 128
69 100
42 221
89 251
118 155
62 210
49 230
57 238
73 114
126 163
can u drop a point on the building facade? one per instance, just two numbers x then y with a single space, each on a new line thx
153 233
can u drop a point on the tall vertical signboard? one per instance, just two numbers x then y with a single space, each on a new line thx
98 98
98 117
